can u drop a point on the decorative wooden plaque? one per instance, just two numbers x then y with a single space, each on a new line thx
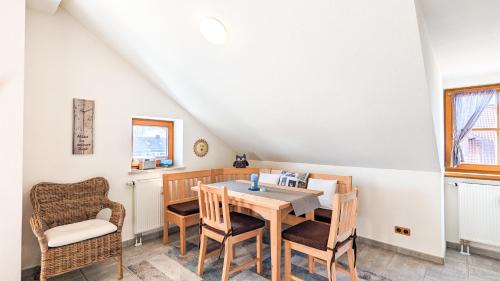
83 126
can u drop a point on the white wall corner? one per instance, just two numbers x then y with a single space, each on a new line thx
46 6
434 81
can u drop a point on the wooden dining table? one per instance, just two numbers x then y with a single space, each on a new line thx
273 210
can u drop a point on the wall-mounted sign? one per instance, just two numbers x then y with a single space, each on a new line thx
83 126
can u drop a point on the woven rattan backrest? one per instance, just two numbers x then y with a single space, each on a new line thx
343 222
60 204
210 198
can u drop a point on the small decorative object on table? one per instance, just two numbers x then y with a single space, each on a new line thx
241 161
254 178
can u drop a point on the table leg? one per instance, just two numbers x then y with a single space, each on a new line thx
275 245
310 259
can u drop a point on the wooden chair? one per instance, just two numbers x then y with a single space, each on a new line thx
344 185
227 228
181 205
326 242
57 208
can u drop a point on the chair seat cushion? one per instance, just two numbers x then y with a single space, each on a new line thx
76 232
323 215
241 223
309 233
186 208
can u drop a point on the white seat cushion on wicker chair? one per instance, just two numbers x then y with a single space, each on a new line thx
76 232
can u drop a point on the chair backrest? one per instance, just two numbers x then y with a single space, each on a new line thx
210 199
343 223
177 186
61 204
231 174
344 183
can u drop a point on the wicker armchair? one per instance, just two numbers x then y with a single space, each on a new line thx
61 204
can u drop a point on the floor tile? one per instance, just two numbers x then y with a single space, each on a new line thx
405 268
480 274
374 259
452 270
452 254
484 263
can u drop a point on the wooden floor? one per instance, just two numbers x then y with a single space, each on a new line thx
384 265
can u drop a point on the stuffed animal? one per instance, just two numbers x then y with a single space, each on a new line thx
241 161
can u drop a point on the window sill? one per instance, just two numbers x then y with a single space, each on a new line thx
156 170
472 176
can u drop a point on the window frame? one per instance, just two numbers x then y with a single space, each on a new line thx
448 127
157 123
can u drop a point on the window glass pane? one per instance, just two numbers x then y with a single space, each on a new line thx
480 147
149 142
488 118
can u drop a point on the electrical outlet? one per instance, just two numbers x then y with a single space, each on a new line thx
402 230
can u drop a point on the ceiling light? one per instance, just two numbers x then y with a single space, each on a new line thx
213 30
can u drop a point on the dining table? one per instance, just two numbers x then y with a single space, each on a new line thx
274 205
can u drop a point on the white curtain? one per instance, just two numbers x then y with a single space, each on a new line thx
467 108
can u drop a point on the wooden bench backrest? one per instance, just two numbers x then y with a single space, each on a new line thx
231 174
344 183
177 186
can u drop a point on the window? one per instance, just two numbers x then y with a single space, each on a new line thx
152 139
475 111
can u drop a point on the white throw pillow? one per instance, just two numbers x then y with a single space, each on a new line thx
269 178
329 188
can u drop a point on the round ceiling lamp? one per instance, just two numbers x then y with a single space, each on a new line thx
213 30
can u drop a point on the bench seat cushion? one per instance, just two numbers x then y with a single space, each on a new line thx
323 215
320 214
186 208
76 232
309 233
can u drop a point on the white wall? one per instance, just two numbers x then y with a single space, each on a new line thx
391 197
64 61
471 80
12 14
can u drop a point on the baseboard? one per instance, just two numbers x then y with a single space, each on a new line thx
401 250
476 250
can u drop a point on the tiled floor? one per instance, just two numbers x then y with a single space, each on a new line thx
382 263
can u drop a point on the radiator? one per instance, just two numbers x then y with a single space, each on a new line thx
479 213
148 205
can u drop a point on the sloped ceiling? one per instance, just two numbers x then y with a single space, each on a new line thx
47 6
327 81
465 35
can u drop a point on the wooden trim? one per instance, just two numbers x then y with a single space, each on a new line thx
468 88
472 176
159 123
448 129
